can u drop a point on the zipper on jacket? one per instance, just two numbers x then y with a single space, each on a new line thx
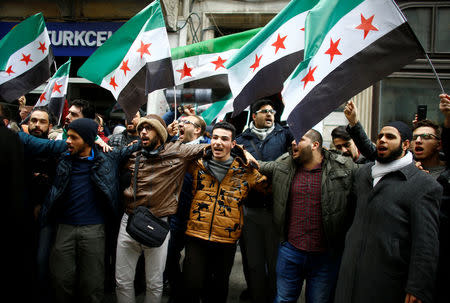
214 211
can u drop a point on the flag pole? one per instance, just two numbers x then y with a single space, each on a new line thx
175 99
435 73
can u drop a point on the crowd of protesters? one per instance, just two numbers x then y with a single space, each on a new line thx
361 221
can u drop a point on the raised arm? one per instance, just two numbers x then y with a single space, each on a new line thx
444 106
356 131
34 146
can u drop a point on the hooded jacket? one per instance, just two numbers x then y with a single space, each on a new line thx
216 212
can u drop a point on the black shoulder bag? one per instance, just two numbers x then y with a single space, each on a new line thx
142 225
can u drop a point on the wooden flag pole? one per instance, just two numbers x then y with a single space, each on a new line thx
435 73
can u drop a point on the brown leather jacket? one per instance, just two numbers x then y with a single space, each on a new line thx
159 178
216 209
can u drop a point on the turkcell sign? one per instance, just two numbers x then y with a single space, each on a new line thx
73 38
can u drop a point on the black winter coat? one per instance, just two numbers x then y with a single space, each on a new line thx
275 144
105 175
392 246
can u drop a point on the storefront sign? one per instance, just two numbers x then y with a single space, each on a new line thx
74 38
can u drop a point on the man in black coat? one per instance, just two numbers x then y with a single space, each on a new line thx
391 249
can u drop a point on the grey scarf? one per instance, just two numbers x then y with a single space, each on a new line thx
261 133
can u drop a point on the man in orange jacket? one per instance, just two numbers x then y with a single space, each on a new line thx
222 181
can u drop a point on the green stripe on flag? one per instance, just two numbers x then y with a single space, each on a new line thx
320 20
63 70
107 57
211 113
213 46
293 9
22 34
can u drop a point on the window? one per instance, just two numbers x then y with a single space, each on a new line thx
400 97
430 22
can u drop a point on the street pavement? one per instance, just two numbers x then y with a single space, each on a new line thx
237 285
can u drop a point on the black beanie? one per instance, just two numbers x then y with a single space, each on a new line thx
403 129
86 128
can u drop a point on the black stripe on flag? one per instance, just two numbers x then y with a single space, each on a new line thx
378 60
29 80
268 81
152 76
56 106
159 75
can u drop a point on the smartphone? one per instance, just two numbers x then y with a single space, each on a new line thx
421 112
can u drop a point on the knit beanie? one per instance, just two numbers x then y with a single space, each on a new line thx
86 128
157 123
403 129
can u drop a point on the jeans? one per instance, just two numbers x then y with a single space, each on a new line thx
128 252
77 263
320 271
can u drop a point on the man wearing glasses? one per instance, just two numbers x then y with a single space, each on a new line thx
191 130
425 144
266 140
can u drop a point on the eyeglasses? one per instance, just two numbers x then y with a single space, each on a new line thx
266 111
147 128
425 136
188 122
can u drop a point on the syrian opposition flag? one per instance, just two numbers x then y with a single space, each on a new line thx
55 92
260 67
207 58
349 46
219 109
134 61
25 58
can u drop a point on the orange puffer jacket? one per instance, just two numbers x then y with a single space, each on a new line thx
216 211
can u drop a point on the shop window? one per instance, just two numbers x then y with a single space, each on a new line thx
400 97
442 44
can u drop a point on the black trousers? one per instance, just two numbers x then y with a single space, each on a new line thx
206 270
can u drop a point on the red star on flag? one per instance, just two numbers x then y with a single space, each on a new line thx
144 49
26 59
56 87
309 76
219 63
113 83
333 50
366 25
256 64
185 71
42 97
9 70
302 29
124 67
42 47
279 43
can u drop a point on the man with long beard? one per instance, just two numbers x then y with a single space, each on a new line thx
312 211
391 249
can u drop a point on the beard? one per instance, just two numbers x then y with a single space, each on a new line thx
42 135
394 155
305 156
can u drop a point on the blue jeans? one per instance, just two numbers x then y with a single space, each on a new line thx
320 271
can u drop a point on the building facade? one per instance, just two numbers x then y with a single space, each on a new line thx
78 27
